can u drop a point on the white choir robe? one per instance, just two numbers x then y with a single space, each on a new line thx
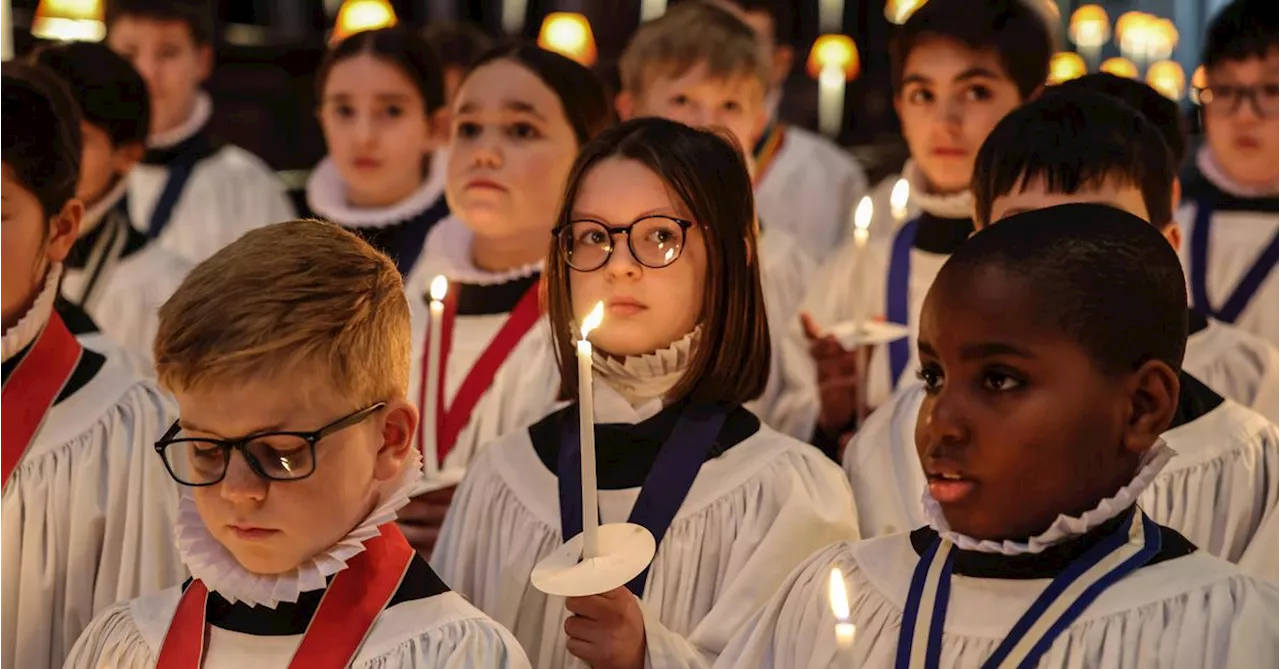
526 384
439 632
809 189
1237 365
789 403
88 516
1188 612
752 514
1216 491
1240 233
840 289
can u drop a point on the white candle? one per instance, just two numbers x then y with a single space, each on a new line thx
861 235
898 199
840 609
831 82
587 438
430 421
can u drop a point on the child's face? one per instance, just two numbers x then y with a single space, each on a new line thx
951 98
512 149
102 163
376 130
1016 409
646 309
697 99
1245 143
273 526
170 61
30 242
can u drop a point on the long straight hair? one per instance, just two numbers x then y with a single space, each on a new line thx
708 173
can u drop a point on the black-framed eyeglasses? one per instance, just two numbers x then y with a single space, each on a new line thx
1226 100
655 241
276 456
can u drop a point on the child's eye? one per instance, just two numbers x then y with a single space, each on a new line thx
168 52
931 375
978 94
467 130
732 105
395 111
1001 382
344 111
919 97
522 131
680 100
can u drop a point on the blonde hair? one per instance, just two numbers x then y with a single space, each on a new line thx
691 33
286 297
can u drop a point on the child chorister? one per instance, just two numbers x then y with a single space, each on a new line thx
112 273
702 65
382 111
522 114
1229 222
1046 393
192 193
654 229
287 517
87 506
958 68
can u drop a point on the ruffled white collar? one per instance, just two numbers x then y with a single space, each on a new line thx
640 381
29 326
1065 527
94 215
218 569
199 117
449 253
327 196
1219 177
945 205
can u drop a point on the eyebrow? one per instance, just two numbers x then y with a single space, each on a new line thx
982 350
188 425
666 210
971 73
381 96
518 106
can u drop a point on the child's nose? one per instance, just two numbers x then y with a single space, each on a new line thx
241 483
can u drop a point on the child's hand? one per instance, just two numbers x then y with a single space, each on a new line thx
606 631
837 377
421 518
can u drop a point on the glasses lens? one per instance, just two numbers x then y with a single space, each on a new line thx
657 241
585 245
196 462
283 457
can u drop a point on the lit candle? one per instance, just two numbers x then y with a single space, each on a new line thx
861 234
898 199
831 83
840 609
430 422
587 440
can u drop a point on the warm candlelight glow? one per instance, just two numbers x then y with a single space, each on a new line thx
898 11
1167 77
1089 26
69 20
360 15
898 199
593 319
834 53
569 35
1198 82
1064 66
839 598
439 287
1119 66
862 215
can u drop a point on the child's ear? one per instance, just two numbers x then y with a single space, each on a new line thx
204 53
440 121
398 427
64 227
625 104
1153 396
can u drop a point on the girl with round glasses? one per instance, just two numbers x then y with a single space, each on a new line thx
657 224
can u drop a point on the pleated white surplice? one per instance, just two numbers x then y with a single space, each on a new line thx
440 632
752 515
88 516
1237 365
789 403
1190 612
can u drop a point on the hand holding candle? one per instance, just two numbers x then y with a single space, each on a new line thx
586 428
840 609
430 419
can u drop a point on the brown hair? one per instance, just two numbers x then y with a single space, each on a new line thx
582 98
690 33
707 172
283 297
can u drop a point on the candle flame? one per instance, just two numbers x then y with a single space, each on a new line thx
862 215
593 319
439 286
901 193
839 599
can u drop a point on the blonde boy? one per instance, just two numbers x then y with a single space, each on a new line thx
288 352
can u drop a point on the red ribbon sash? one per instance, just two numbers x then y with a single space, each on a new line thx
32 389
341 624
450 421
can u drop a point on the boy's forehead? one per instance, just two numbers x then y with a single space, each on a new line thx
941 59
695 71
1250 66
141 25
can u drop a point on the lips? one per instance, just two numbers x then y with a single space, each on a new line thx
946 152
366 163
252 533
625 306
485 184
950 488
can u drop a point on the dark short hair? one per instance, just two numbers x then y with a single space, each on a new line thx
709 175
1159 110
1072 139
400 47
1107 279
197 14
1016 32
1243 29
581 95
110 93
781 12
457 44
41 128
